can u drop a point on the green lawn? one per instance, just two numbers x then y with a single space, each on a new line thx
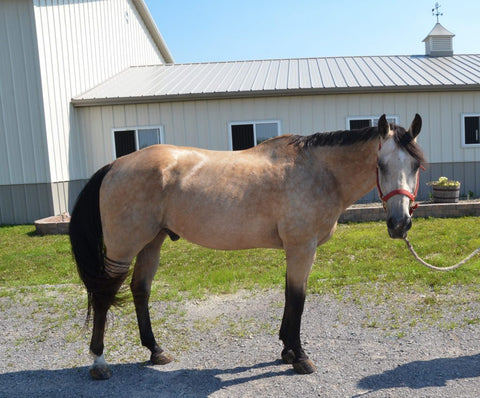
358 255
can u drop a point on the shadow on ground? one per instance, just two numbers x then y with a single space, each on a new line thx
422 374
133 380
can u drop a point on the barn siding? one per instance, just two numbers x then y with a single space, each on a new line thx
81 44
23 146
52 51
205 124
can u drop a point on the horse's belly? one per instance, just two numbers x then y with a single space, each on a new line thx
227 233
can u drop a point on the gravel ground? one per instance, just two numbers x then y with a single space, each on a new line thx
364 345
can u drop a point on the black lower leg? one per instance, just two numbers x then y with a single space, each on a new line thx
145 326
293 352
99 370
290 329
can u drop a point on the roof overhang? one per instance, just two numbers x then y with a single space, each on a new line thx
85 102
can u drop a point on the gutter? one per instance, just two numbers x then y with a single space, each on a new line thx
153 30
83 102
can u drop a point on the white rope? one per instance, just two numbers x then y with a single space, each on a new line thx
410 247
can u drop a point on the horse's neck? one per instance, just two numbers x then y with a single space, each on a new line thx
354 168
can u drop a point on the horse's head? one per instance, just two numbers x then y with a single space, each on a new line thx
399 160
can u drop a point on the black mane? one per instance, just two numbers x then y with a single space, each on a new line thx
335 138
351 137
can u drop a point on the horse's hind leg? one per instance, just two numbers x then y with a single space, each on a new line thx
101 302
145 269
299 263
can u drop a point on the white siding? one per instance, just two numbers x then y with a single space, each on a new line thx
205 124
82 43
23 148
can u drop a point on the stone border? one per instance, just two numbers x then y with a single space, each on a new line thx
375 212
55 225
58 225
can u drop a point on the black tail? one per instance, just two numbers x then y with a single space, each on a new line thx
86 238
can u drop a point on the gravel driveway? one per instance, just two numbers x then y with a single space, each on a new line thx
364 345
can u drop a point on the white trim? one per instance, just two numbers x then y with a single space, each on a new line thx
371 118
254 123
462 123
135 129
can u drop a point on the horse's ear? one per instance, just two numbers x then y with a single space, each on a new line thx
416 126
383 126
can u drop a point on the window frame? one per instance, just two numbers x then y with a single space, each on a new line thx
136 129
371 118
463 116
254 123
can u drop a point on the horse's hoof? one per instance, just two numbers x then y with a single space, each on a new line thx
304 367
288 356
160 358
100 372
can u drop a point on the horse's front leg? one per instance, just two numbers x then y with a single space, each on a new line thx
145 269
299 264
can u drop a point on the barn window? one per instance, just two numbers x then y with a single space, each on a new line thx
471 128
245 135
130 140
354 123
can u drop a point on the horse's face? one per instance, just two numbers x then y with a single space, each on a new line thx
399 159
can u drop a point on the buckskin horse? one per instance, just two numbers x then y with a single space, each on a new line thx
286 193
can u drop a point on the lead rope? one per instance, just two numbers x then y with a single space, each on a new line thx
410 247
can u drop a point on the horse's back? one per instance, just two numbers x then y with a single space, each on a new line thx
217 199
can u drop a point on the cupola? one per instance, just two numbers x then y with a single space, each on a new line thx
439 42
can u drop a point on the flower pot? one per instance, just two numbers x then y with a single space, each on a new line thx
446 194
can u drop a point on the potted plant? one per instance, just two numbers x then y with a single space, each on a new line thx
445 190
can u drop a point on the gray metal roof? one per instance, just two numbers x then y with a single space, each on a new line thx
439 31
182 82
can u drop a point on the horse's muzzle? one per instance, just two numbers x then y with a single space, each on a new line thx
399 227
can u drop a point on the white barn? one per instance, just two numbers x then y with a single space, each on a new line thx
50 52
233 105
87 101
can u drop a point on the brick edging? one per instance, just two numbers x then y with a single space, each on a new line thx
375 212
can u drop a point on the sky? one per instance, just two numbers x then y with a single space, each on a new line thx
234 30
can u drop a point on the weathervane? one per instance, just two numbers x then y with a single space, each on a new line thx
435 11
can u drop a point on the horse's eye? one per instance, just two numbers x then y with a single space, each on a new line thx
382 166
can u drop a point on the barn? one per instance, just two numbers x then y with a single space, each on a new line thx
84 118
50 52
235 105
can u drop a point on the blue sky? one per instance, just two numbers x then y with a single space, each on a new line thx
230 30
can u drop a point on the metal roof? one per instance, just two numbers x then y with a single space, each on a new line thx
299 76
439 31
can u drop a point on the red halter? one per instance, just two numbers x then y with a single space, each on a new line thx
409 195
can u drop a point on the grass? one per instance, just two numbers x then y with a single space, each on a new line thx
360 264
358 255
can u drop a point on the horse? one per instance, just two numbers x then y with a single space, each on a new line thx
286 193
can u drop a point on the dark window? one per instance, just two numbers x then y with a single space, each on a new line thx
360 124
355 123
242 136
124 142
472 127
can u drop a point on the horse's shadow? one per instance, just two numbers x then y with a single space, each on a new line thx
421 374
133 380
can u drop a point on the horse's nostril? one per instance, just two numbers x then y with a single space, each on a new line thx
390 223
408 224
